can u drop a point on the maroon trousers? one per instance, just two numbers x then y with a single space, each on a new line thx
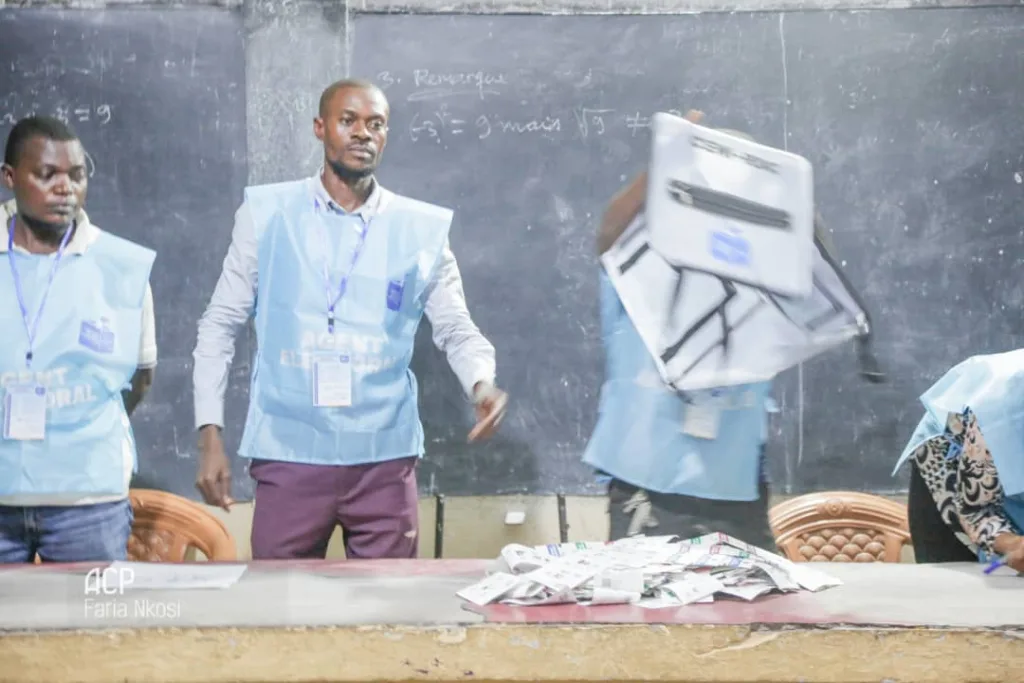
297 507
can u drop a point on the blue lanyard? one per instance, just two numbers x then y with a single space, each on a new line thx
32 327
332 297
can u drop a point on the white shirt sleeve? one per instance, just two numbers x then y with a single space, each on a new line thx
147 342
470 355
230 307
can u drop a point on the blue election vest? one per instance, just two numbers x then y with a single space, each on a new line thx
639 437
992 386
375 325
85 353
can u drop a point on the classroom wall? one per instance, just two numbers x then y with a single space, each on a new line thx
308 32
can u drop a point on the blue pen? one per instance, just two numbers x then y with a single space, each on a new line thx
994 565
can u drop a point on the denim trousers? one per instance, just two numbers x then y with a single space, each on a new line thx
85 533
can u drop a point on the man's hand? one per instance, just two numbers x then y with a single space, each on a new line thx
142 380
491 403
214 479
694 116
1016 558
1011 547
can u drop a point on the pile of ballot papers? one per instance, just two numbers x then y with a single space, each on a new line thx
651 572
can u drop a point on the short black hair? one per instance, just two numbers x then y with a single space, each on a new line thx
344 84
30 127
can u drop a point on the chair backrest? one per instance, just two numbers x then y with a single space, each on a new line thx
840 526
166 526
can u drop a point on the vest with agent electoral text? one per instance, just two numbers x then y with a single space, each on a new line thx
85 353
375 325
639 436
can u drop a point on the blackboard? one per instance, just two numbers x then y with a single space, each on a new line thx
158 99
526 125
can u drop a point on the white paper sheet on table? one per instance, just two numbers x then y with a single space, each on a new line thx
649 572
748 591
187 576
612 596
492 588
692 587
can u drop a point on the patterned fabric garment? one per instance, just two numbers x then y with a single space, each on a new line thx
960 474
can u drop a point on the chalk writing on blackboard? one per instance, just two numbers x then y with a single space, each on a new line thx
438 85
443 123
635 122
591 120
73 114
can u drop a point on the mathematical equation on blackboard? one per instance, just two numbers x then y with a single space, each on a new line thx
72 114
445 125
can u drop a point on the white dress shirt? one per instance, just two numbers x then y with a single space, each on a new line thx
469 353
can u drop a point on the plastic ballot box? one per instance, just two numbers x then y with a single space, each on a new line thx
727 206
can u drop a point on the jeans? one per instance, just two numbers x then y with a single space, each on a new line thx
86 533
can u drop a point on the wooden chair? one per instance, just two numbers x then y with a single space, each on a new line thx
168 526
840 526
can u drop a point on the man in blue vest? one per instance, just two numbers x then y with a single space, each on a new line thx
78 353
337 272
675 465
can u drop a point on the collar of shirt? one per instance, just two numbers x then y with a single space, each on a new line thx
85 232
367 211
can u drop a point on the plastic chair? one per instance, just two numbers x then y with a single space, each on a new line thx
840 526
168 526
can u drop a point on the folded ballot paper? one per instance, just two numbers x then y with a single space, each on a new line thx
652 572
727 276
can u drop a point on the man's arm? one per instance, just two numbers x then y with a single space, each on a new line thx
627 203
470 355
621 211
979 495
229 309
142 380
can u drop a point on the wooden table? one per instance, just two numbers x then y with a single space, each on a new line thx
401 620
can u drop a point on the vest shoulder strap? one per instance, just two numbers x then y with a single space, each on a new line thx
273 191
265 200
426 209
134 262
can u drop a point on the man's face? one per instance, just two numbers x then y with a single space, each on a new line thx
49 181
354 130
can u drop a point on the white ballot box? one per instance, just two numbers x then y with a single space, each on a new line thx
705 331
730 207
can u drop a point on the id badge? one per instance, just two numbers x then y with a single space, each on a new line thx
25 412
700 420
332 382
